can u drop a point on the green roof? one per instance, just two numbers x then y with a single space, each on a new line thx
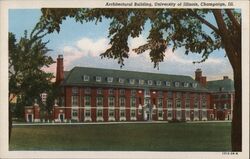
225 85
75 77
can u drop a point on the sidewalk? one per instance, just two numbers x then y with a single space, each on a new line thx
128 122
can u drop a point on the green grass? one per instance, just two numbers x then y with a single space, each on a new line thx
124 137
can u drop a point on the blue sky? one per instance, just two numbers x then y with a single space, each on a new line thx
81 45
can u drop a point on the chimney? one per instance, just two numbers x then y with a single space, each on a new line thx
225 77
199 78
59 70
198 74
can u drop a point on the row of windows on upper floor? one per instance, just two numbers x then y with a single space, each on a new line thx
147 92
86 78
122 101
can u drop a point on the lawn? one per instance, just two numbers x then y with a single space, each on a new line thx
124 137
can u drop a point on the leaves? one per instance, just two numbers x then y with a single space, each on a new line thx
27 57
176 28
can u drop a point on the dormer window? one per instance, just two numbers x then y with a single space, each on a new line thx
98 78
150 82
176 84
194 85
110 79
158 83
167 83
141 82
131 81
186 84
121 80
86 78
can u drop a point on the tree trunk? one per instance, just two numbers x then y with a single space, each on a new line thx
10 122
236 138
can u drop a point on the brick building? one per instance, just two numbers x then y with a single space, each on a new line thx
96 95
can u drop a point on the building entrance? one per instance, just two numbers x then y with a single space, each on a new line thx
30 118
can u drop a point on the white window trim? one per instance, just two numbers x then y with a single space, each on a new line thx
167 83
160 118
99 118
121 80
194 85
110 79
32 117
98 78
85 78
87 118
150 82
122 118
177 84
132 81
186 84
75 117
141 82
158 83
134 117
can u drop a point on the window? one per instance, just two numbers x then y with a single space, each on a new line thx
99 101
87 90
187 104
147 101
147 92
110 79
74 101
98 79
141 82
194 85
111 113
87 101
150 82
204 113
204 103
176 84
178 95
122 102
87 113
122 92
204 97
131 81
187 114
170 95
160 93
111 91
196 104
169 104
121 80
122 113
86 78
169 113
178 114
132 113
132 102
185 84
167 83
178 104
74 90
99 91
75 113
160 102
111 101
133 92
196 114
160 113
187 95
158 83
99 112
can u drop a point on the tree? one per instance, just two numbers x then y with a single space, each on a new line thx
27 80
190 29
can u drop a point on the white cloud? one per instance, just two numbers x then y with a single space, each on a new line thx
86 51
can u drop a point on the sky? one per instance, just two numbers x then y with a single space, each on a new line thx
81 45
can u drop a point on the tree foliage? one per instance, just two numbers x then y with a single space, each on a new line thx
196 30
27 57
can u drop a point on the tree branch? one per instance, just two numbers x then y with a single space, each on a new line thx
204 21
233 19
